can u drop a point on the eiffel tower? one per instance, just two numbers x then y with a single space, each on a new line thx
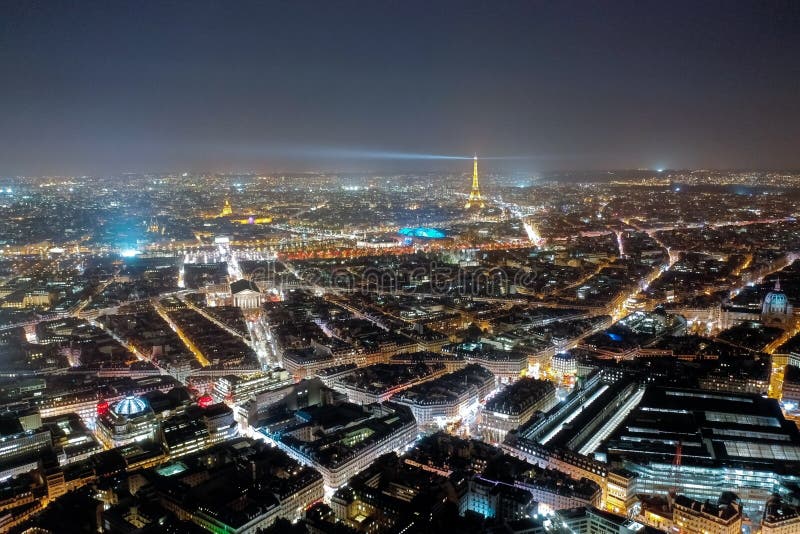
475 199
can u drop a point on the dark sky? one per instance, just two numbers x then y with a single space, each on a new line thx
94 87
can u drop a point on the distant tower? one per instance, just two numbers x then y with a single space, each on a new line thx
475 198
226 209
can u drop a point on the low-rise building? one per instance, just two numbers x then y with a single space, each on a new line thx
621 491
780 517
234 389
377 383
449 397
496 499
505 365
339 440
591 520
514 406
690 515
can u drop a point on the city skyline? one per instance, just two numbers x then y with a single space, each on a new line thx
399 267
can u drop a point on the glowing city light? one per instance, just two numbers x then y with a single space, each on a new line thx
423 233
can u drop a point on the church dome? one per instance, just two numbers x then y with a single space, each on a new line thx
130 405
776 302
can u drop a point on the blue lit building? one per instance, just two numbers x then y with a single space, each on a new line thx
422 232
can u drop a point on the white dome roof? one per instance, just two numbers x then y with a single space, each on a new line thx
777 299
776 302
130 405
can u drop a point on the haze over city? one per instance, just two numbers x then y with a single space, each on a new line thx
399 267
96 87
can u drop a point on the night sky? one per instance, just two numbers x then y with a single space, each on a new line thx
158 85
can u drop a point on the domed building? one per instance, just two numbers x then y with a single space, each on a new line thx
777 310
130 406
129 420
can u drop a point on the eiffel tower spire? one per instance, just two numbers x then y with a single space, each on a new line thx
475 198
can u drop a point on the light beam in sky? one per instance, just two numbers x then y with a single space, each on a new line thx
311 152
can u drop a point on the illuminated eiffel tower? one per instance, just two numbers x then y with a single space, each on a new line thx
475 199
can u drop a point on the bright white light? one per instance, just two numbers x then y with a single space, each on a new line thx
129 253
533 234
